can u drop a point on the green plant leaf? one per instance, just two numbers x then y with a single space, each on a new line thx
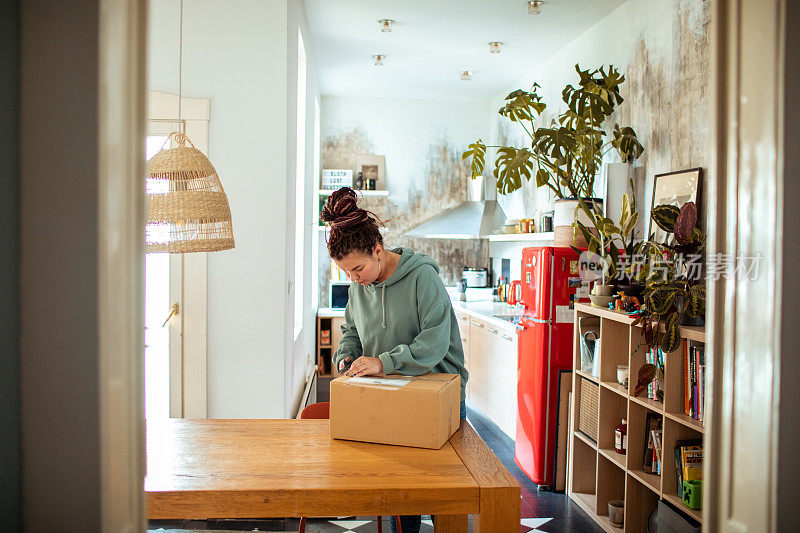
659 301
477 151
628 228
542 177
627 144
626 211
522 105
511 166
696 301
671 339
665 217
610 229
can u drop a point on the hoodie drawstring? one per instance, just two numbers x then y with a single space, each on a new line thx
383 305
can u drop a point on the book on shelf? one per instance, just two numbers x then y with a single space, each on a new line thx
694 382
692 462
651 462
679 463
655 388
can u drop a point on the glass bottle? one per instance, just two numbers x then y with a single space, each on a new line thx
621 437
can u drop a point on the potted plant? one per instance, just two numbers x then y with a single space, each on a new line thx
566 155
675 292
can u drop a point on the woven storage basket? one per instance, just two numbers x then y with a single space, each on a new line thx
588 410
187 208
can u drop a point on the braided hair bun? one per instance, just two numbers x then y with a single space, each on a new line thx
352 228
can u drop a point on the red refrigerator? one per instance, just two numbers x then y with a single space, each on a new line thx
550 283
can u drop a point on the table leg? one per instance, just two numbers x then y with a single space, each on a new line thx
451 523
500 510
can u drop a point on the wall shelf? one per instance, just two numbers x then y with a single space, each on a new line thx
542 237
597 473
328 192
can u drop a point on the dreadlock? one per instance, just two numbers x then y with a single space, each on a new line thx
352 228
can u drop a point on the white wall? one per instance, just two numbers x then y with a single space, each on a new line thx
422 141
661 47
300 352
236 54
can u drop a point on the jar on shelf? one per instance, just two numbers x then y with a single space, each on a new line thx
621 437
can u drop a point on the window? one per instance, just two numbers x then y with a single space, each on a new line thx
300 187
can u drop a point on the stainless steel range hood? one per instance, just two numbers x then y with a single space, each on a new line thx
477 218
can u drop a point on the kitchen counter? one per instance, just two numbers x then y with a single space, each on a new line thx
486 310
496 313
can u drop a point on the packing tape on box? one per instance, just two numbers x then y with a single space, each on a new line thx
378 382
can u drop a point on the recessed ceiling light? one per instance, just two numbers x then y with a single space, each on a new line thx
379 59
534 7
494 47
466 75
385 25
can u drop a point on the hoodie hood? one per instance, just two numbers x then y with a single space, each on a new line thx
409 261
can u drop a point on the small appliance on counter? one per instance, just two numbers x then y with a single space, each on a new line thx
475 277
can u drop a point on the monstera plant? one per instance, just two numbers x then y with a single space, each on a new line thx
564 155
675 292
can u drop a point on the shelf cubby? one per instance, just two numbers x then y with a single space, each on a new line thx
584 471
613 408
640 502
610 485
613 348
598 473
673 433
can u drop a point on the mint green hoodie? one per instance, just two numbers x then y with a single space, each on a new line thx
407 321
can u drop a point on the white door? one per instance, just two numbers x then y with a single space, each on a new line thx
163 314
175 366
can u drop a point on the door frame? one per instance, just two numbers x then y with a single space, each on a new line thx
189 333
745 219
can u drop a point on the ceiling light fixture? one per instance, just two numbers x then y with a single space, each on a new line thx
187 208
494 47
534 7
385 25
466 75
379 60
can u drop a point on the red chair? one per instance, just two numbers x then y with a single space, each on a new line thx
322 411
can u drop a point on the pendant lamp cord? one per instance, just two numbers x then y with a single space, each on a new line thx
180 71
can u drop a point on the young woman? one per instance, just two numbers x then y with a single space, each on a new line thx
398 319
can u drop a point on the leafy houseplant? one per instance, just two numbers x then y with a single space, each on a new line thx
568 153
675 291
610 236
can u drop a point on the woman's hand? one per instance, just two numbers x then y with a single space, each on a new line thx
365 366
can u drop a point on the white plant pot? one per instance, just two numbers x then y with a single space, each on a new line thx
564 215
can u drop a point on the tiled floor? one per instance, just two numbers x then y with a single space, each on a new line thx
541 511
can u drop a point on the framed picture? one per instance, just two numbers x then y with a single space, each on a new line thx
372 168
675 188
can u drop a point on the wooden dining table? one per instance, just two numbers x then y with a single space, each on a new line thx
202 469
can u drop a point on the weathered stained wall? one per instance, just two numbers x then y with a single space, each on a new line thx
422 141
662 48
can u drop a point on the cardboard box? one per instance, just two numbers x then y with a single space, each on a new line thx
420 411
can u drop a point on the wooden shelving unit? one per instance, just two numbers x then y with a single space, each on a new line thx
329 333
597 473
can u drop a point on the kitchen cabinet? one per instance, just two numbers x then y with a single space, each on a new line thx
501 397
463 327
479 364
490 355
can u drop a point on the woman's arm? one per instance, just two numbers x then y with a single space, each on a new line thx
350 343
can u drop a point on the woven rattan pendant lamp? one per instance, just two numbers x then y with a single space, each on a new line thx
187 208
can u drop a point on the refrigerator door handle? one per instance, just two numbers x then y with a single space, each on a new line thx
540 321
